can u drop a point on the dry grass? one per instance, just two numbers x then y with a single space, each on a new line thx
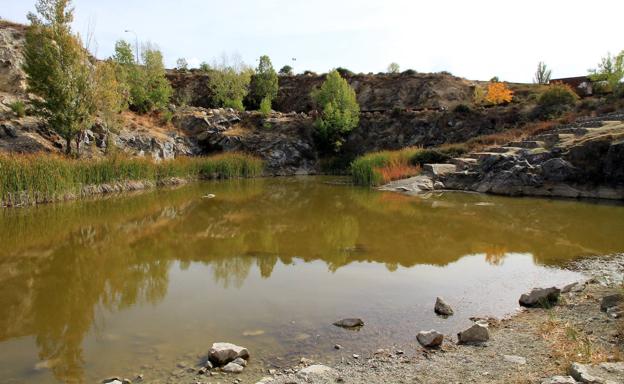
569 345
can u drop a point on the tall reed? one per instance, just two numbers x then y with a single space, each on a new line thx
37 177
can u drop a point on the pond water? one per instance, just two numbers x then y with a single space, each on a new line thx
137 283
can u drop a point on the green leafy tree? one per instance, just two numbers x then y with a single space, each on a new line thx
610 70
58 70
229 82
542 74
340 112
204 67
158 88
394 68
286 70
265 107
264 83
111 94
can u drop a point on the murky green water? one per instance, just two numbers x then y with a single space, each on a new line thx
138 283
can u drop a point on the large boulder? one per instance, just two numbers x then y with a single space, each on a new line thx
478 333
540 297
559 380
557 169
222 353
441 307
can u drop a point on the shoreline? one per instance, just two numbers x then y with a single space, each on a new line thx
532 345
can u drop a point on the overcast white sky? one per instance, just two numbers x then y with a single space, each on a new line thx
476 39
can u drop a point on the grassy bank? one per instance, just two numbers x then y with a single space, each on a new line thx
37 177
378 168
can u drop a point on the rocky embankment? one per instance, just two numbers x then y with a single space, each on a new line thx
580 160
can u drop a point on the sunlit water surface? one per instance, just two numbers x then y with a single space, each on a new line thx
138 283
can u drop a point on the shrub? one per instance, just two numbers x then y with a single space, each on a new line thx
309 73
166 117
409 72
265 107
494 80
236 104
286 70
344 72
340 112
204 67
498 93
610 71
555 100
110 94
428 156
229 82
182 65
18 107
478 95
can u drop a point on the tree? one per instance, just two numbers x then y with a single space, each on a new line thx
610 70
204 67
182 64
498 93
265 107
111 94
58 70
158 88
394 68
340 112
557 99
542 74
229 82
286 70
264 83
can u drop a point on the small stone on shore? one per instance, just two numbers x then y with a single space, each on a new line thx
559 380
478 333
223 353
611 301
442 307
430 338
337 346
540 297
232 368
515 359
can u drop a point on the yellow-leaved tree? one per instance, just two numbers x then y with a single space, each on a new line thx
498 93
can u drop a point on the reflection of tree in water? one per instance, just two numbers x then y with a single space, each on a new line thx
495 254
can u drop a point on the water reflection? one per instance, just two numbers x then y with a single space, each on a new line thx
61 265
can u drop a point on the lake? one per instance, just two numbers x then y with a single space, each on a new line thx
139 283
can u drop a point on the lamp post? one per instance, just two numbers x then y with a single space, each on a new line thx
136 43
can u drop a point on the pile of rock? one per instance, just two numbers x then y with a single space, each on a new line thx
230 358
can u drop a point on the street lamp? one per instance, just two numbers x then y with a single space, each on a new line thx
136 43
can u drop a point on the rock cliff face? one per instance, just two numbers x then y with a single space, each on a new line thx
374 92
583 159
12 38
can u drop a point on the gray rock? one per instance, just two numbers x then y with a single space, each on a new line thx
430 338
223 353
240 361
569 287
557 169
559 380
514 359
478 333
439 170
613 367
265 380
232 368
580 372
442 307
116 380
316 370
349 323
540 297
611 301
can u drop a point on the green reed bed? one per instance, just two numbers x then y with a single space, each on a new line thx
378 168
37 177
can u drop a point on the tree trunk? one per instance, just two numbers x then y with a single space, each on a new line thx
68 149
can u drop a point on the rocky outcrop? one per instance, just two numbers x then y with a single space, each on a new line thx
283 141
584 159
12 39
540 297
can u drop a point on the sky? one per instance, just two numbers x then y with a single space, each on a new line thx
475 39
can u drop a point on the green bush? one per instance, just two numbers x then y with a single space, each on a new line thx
236 104
264 83
265 107
19 108
166 116
286 70
428 156
344 72
556 100
340 112
409 72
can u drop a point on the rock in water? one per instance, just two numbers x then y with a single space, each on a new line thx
430 338
478 333
232 368
540 297
611 301
116 380
223 353
442 307
349 323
